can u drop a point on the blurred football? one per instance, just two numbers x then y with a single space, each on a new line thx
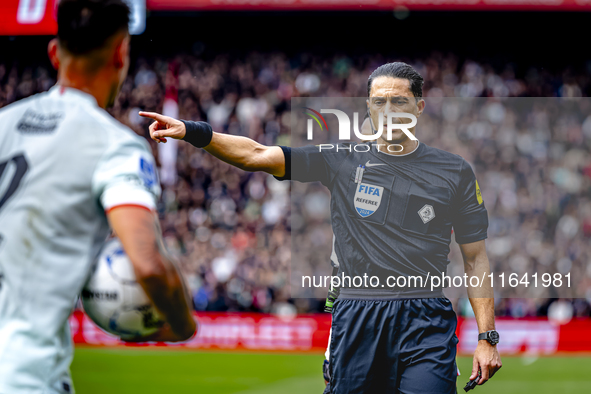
114 300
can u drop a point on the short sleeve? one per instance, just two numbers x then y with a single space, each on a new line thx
470 218
313 163
126 175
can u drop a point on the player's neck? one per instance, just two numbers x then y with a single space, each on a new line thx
408 146
94 85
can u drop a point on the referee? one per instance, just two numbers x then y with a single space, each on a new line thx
392 218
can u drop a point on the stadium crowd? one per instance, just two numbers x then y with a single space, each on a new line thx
230 229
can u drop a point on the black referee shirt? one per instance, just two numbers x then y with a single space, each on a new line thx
398 218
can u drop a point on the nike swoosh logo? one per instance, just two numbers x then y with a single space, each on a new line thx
368 164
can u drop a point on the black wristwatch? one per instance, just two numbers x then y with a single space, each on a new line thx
491 336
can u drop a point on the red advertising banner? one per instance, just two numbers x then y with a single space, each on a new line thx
531 336
369 5
37 17
234 331
27 17
309 333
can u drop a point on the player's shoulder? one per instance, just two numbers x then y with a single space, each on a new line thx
115 133
117 130
20 106
443 157
440 153
85 114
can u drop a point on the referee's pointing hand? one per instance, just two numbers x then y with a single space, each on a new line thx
164 126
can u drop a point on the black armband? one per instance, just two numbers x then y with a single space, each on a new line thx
287 154
198 134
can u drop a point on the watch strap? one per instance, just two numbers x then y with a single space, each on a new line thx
491 336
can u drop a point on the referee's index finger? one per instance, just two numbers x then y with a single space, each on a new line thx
154 115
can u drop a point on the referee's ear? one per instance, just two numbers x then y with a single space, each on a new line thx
420 107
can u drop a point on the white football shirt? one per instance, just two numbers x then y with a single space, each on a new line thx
64 162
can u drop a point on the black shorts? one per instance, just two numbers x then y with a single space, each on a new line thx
405 346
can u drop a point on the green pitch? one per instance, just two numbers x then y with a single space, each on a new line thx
167 371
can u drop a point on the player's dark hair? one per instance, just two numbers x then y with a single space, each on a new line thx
398 70
86 25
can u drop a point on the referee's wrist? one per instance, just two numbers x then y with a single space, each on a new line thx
198 134
486 343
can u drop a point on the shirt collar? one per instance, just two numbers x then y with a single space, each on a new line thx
72 94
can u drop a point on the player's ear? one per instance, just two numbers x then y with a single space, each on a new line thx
52 52
121 54
420 107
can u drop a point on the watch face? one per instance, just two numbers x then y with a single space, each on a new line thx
494 337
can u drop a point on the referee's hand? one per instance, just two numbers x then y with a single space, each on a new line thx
487 360
164 126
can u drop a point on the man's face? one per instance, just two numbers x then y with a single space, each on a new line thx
390 94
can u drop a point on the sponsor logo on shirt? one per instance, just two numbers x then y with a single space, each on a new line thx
367 199
147 173
368 164
38 123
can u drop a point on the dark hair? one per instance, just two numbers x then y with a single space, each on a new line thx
398 70
86 25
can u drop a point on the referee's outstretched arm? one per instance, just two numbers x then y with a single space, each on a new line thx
238 151
486 356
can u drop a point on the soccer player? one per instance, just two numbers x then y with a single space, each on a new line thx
394 217
67 170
